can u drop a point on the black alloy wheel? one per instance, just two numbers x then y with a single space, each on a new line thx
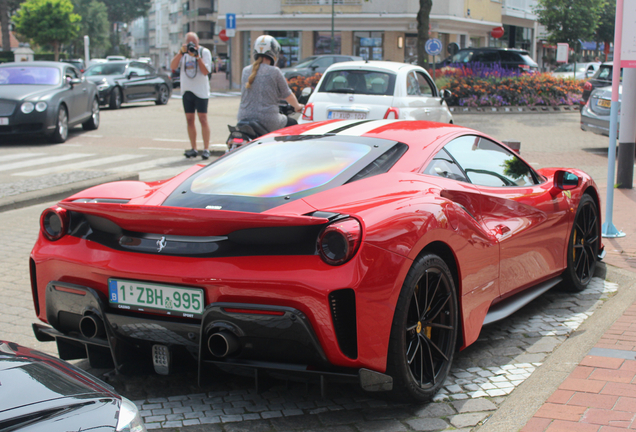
60 134
115 99
424 332
583 246
163 95
93 122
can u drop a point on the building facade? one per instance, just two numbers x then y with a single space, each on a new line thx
377 29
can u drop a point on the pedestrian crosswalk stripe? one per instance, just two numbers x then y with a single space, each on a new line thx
78 165
155 163
42 161
19 156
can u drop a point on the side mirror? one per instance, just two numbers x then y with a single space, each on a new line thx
563 181
445 95
73 81
313 67
304 95
589 73
132 74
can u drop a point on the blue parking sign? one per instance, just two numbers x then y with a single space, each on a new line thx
230 21
433 47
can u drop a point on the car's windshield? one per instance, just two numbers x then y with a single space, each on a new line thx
605 73
462 57
305 62
106 69
29 75
358 81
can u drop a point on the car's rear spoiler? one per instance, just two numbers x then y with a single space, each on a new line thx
186 221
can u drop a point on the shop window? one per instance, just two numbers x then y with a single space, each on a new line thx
290 46
369 45
322 43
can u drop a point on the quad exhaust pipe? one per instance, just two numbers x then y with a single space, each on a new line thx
91 326
223 343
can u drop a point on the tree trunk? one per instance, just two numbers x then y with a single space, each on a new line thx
422 31
4 22
56 50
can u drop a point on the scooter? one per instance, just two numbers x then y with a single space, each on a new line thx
246 131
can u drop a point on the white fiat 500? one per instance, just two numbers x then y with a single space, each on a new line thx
377 90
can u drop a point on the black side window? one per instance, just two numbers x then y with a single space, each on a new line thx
383 163
486 163
486 57
323 62
443 165
508 56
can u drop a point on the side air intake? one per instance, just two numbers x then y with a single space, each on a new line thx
343 312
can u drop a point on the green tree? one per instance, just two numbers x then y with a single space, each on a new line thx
605 29
47 22
569 21
94 24
126 10
4 23
423 22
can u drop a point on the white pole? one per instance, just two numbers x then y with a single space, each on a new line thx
87 51
609 230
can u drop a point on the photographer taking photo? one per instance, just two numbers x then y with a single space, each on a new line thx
196 63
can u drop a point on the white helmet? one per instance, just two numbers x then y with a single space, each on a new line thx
268 46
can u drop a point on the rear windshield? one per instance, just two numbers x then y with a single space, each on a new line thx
275 171
29 75
106 69
358 82
605 73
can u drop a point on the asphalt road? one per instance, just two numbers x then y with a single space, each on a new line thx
484 377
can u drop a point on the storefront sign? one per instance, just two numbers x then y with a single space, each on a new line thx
562 53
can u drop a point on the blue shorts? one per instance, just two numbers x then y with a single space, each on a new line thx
192 103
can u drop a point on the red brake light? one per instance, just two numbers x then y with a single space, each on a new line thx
308 112
587 86
392 113
54 223
238 140
339 242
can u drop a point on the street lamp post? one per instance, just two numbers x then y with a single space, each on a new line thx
333 15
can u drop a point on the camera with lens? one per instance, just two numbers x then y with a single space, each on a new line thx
192 48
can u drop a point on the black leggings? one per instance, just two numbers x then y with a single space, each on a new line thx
291 122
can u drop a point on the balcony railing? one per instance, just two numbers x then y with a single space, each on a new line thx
322 2
205 35
200 12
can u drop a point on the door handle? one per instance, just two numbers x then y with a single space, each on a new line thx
502 229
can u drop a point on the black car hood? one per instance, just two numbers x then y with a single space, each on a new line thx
108 78
24 91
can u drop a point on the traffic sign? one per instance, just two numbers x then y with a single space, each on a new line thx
433 47
223 35
497 32
230 21
230 32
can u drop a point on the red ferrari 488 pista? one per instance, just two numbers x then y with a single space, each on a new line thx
350 250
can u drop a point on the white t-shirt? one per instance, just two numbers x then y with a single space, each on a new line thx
192 79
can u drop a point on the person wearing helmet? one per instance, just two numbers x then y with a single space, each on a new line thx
263 86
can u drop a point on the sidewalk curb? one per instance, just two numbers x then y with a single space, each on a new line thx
524 402
516 109
59 192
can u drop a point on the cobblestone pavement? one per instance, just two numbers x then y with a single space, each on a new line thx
504 356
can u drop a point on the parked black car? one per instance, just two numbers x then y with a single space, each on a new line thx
41 393
509 58
315 64
129 81
46 98
602 78
175 76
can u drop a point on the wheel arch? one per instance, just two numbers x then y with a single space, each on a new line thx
445 252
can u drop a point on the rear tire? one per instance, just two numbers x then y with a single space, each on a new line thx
582 252
424 331
163 96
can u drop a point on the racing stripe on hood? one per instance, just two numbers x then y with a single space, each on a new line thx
333 127
363 128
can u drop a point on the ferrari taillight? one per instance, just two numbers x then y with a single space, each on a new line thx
54 223
308 112
392 113
339 242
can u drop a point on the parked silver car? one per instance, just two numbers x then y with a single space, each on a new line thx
595 115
